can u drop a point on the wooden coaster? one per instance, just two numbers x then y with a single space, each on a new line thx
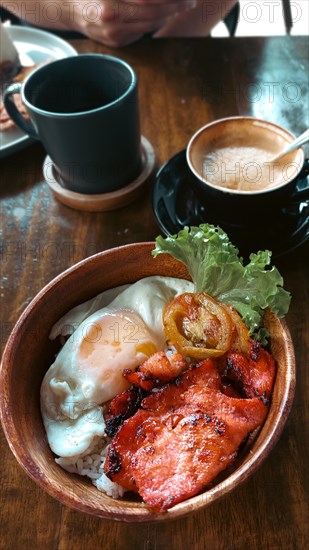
105 201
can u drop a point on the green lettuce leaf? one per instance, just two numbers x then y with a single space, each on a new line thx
216 268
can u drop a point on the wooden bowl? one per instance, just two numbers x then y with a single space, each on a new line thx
29 353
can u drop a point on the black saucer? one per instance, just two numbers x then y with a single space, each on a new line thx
175 206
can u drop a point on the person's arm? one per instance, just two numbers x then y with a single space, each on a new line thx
115 23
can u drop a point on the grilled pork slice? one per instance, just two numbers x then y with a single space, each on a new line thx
157 370
122 407
184 435
254 375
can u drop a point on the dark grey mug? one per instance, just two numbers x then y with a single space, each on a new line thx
84 109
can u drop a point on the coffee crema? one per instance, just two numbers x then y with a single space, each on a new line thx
247 168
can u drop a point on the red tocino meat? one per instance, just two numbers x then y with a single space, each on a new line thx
182 437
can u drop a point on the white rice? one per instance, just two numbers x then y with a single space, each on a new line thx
92 466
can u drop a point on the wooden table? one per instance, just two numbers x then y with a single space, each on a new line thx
183 85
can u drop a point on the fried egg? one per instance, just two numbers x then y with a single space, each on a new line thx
88 371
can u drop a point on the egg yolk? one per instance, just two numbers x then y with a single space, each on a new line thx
115 341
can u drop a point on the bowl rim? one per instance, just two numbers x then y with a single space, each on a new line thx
245 469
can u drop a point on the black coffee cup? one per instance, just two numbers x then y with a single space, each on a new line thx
84 109
215 169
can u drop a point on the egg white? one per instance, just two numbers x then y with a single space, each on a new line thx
88 370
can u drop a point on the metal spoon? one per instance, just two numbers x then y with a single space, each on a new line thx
294 145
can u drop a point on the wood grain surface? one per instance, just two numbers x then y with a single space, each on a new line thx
183 85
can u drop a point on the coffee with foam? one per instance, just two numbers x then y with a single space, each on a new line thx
247 168
235 155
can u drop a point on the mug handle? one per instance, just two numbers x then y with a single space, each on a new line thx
25 125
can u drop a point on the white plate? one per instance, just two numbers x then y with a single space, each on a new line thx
33 46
